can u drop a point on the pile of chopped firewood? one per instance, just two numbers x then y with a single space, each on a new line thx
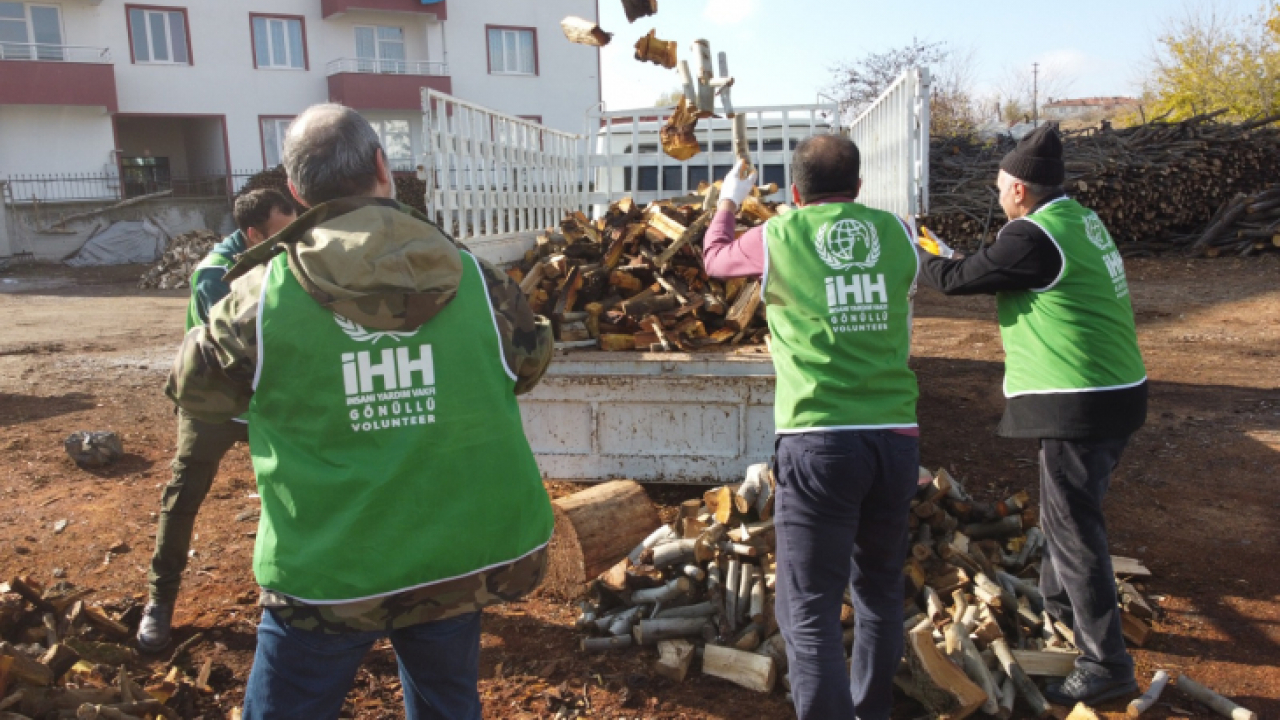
1155 186
62 656
634 279
977 632
179 260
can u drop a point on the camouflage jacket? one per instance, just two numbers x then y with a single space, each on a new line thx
363 259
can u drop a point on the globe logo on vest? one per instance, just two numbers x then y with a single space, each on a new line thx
1096 232
848 243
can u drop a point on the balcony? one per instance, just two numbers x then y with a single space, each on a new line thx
384 84
40 74
440 11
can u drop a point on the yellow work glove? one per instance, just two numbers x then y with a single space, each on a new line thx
933 244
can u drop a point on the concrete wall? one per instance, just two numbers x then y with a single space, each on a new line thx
46 139
223 81
30 225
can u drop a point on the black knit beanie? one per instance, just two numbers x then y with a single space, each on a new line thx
1037 158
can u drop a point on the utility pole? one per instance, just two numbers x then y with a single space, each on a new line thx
1035 94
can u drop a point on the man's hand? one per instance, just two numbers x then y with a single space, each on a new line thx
934 245
736 188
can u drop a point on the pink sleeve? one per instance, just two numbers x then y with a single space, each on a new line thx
725 256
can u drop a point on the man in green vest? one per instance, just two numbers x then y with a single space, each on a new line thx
1075 382
836 276
258 214
379 364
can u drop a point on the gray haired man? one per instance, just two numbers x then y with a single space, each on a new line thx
378 363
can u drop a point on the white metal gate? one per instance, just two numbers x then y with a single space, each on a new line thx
625 158
492 176
893 135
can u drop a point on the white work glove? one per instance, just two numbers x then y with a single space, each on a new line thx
737 188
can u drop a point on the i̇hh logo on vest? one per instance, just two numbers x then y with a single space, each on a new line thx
856 302
396 390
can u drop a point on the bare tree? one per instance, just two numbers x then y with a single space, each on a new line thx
953 109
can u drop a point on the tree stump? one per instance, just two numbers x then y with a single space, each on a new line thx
595 529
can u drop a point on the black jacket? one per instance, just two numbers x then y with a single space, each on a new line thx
1024 258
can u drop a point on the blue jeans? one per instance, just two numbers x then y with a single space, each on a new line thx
841 520
306 675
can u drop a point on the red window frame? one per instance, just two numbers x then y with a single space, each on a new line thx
306 54
262 138
186 28
488 50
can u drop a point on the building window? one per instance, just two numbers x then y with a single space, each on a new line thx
397 143
279 42
380 49
30 32
273 132
513 51
159 36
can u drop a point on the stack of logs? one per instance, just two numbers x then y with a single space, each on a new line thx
1245 225
61 656
180 259
635 280
976 632
1155 186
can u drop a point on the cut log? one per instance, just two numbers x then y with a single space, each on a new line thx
1046 663
636 9
1026 688
674 658
111 627
649 632
1149 698
935 681
25 669
594 529
744 307
602 644
584 32
659 52
1133 602
1083 712
59 659
677 588
1213 700
1134 629
1128 567
748 669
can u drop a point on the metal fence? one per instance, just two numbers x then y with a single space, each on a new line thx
55 53
101 187
893 135
624 157
386 67
490 175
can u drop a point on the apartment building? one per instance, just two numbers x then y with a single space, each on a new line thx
197 88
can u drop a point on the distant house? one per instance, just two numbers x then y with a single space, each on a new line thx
1081 107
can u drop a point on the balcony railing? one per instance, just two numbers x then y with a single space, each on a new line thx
55 53
386 67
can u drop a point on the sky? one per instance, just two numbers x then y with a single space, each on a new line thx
782 51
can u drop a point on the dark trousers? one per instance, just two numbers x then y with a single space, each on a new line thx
841 519
201 446
1076 576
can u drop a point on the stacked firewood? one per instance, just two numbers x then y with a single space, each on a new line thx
635 280
179 260
62 656
1244 225
1155 186
977 630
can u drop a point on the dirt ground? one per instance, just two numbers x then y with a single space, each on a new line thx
1195 497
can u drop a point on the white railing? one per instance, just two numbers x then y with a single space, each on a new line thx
55 53
893 135
492 176
386 67
625 157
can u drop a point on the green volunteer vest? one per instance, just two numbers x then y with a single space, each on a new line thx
1077 334
837 279
212 260
386 461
